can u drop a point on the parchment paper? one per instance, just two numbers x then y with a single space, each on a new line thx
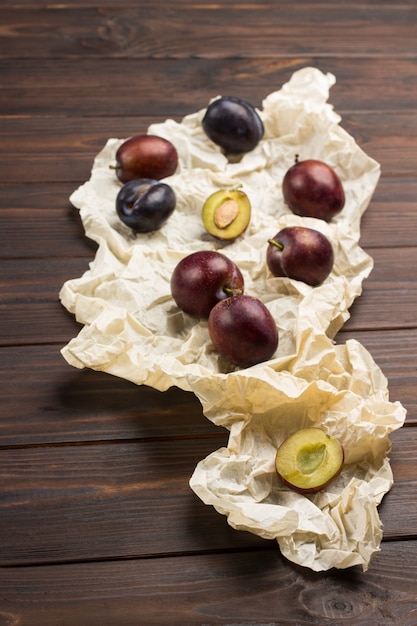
133 329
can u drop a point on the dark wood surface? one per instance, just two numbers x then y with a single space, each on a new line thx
98 525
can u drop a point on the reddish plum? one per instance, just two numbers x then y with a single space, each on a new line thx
202 279
300 253
145 156
243 330
311 188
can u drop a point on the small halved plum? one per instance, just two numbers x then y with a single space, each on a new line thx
226 214
309 459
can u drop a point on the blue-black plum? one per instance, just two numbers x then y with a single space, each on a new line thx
145 204
233 124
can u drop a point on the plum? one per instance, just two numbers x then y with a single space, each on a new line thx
145 156
311 188
243 330
233 124
300 253
202 279
226 214
309 459
145 204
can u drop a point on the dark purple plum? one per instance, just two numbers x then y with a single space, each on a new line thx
311 188
145 156
145 204
243 330
202 279
300 253
233 124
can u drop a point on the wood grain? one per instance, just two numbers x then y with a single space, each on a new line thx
175 32
68 405
241 589
70 145
96 88
61 498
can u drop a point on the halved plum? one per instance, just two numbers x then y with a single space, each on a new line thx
226 213
309 459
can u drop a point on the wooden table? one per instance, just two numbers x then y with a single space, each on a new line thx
98 525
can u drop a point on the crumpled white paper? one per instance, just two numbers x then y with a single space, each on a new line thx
133 329
347 397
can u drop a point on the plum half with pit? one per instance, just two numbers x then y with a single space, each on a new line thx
233 124
311 188
309 459
243 330
145 156
145 204
226 214
202 279
300 253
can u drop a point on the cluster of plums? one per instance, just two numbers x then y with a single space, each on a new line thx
144 203
241 327
311 188
208 285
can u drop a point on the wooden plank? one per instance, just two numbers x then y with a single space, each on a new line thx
56 150
107 501
131 499
30 296
240 588
30 309
45 401
38 221
395 352
178 32
390 219
390 287
206 5
168 87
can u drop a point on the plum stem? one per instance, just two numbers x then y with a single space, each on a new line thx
233 291
275 243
